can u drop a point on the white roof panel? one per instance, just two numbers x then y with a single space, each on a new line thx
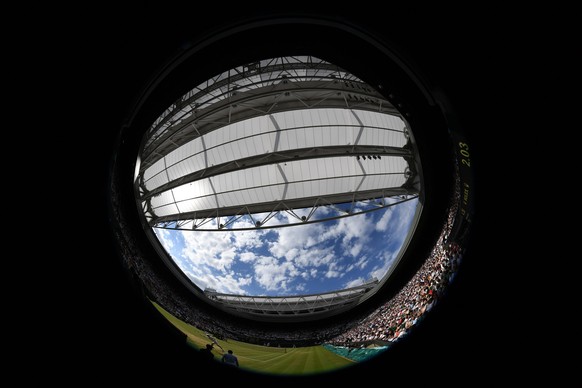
155 169
300 129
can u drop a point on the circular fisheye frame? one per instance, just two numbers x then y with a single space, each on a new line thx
293 212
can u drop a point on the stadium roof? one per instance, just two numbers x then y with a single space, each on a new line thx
277 135
292 308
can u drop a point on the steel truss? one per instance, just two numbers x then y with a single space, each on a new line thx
305 212
292 305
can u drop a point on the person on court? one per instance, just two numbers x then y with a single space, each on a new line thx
230 359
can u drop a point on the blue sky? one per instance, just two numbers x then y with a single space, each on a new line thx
302 259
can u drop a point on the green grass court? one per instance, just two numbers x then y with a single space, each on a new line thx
257 358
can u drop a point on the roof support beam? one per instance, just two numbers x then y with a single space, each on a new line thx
280 157
274 206
259 102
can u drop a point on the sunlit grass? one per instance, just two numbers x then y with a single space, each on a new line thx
257 358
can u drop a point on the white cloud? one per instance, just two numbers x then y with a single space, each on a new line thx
303 245
314 245
193 275
334 271
230 283
402 217
382 225
309 274
300 287
397 227
247 257
357 227
226 284
247 238
212 249
380 271
300 237
273 275
354 283
165 238
361 263
292 254
205 279
355 232
356 249
314 257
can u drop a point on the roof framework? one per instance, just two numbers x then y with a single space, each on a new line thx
293 135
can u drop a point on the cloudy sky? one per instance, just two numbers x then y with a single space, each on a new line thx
302 259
